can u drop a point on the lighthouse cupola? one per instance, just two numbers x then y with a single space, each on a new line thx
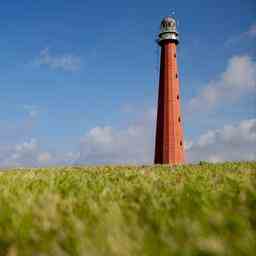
168 31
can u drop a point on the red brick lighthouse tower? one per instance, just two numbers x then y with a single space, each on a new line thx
169 147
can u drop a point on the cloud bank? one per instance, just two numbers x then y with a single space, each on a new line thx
26 153
135 144
231 143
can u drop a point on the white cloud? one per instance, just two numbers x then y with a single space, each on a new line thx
240 74
66 62
206 139
26 153
238 79
130 145
25 147
21 154
226 144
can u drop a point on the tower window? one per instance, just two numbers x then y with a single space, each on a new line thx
178 97
179 119
175 55
181 143
176 75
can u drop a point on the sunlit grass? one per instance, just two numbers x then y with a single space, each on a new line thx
207 209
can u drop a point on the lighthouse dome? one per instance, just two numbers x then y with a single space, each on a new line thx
168 22
168 30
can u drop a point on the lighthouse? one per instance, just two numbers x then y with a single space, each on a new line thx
169 143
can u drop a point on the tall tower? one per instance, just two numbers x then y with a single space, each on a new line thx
169 147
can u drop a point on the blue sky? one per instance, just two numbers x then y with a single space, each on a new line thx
68 67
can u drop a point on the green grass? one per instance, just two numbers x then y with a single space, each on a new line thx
201 209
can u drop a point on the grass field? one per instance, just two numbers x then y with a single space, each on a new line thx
205 209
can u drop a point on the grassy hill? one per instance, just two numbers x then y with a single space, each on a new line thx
206 209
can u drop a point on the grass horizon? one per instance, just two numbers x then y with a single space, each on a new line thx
195 209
